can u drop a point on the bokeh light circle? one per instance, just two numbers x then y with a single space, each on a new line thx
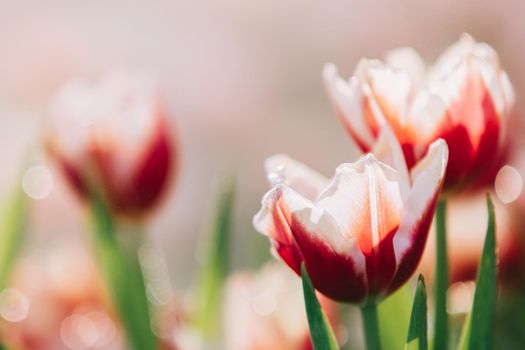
37 182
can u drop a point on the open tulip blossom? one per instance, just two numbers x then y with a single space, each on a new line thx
112 139
360 235
465 99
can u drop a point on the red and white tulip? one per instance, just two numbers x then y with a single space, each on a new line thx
112 138
465 98
360 235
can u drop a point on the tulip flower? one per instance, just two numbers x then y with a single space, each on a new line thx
112 142
361 234
50 296
112 139
465 99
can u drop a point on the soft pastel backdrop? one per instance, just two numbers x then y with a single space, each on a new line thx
242 79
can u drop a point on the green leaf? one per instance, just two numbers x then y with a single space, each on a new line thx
123 278
417 331
321 333
12 226
441 280
478 328
394 316
215 267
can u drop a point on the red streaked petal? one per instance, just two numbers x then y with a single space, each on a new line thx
472 130
153 171
273 220
418 210
461 153
388 93
365 201
335 275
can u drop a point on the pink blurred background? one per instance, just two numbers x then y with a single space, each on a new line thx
242 79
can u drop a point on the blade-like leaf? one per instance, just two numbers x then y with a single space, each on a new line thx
394 316
417 331
123 278
477 331
321 333
216 263
441 279
12 227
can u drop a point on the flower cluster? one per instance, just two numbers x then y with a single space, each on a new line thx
361 234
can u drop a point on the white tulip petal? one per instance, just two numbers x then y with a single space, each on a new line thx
491 78
427 178
388 150
508 91
281 169
364 199
348 99
427 112
450 58
408 60
390 89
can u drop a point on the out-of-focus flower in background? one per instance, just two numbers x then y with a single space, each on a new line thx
265 310
112 139
360 235
465 98
56 302
466 228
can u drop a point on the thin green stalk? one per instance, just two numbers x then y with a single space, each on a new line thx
371 326
215 267
121 275
441 278
13 221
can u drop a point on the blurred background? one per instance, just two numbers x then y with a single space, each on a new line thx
242 80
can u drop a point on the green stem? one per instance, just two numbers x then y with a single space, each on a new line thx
441 278
371 326
13 222
121 271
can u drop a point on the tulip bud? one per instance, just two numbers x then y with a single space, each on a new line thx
112 139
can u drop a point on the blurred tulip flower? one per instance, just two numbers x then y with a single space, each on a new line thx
465 98
264 311
466 228
112 139
360 235
58 304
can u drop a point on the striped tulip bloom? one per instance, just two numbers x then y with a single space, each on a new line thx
361 234
112 139
465 98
